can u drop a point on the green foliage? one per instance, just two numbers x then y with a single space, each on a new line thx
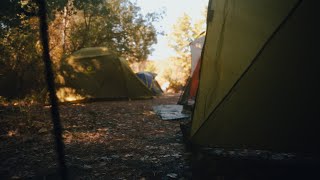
150 67
20 62
183 33
177 73
181 36
116 24
175 85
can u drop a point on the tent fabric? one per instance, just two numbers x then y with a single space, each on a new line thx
97 73
148 78
196 49
191 86
258 80
195 81
184 97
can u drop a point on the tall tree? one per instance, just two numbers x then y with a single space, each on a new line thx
117 25
19 58
184 31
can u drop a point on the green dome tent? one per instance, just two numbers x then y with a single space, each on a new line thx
259 77
97 73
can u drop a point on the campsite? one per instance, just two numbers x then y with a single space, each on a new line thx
86 92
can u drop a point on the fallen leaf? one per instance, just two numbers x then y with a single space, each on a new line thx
87 167
43 130
27 138
115 156
15 177
105 158
172 175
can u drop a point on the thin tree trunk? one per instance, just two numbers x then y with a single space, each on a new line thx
65 22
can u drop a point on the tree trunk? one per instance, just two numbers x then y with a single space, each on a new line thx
65 22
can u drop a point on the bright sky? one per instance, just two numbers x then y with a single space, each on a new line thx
174 9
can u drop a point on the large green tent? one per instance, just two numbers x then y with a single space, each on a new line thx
97 73
259 79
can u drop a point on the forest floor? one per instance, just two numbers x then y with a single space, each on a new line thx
103 140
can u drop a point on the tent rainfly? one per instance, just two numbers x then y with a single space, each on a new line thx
192 84
97 73
259 77
148 78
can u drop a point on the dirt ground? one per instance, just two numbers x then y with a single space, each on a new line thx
103 140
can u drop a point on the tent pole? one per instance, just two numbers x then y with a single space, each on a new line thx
51 88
